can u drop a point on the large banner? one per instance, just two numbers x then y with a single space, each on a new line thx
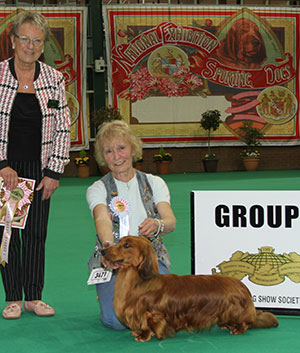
66 52
253 236
169 64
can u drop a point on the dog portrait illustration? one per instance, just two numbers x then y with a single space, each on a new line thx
243 47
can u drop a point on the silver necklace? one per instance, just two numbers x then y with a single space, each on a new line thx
25 86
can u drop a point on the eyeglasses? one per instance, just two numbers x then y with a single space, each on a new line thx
37 43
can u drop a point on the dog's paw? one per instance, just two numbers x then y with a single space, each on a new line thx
143 336
239 329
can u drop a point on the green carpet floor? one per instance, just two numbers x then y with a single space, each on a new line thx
76 327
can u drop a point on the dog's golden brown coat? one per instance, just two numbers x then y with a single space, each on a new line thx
151 304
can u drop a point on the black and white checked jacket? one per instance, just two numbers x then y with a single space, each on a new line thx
49 87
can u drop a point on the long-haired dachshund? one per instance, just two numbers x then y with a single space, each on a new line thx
151 304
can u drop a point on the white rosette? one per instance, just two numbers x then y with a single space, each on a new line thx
120 208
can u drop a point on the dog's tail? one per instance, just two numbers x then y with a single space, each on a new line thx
264 320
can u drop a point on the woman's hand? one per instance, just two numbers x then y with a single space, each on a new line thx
48 185
149 227
106 263
165 225
10 178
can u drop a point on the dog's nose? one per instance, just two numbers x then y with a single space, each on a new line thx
103 252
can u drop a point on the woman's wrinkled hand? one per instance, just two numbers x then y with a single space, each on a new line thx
106 263
10 178
48 185
149 227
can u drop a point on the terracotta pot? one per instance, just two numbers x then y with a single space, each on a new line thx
83 171
250 163
210 165
163 167
139 166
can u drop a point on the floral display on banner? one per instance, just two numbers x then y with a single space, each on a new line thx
14 208
64 51
169 64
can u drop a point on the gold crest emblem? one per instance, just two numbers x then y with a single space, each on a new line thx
265 268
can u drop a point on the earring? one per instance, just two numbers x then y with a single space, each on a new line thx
13 46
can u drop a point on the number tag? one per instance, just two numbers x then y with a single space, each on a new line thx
99 275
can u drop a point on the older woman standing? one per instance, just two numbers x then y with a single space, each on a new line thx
143 198
34 143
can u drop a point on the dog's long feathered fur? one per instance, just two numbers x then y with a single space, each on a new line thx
151 304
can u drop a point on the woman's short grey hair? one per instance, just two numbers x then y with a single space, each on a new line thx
111 130
35 18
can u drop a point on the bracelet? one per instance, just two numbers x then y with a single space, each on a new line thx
162 226
158 229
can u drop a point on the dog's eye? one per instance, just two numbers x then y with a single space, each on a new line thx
126 245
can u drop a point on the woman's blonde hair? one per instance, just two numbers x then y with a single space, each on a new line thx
111 130
35 18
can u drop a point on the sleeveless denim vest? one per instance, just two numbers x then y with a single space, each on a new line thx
147 199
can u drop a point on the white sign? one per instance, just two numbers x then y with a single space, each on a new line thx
99 275
251 235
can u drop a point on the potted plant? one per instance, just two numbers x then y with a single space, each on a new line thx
105 114
138 163
210 121
250 136
82 163
162 160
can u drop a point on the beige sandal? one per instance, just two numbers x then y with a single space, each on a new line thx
39 308
13 310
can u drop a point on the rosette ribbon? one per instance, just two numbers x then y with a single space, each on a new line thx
13 200
120 208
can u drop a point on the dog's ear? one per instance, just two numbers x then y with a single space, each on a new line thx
148 267
228 44
261 55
